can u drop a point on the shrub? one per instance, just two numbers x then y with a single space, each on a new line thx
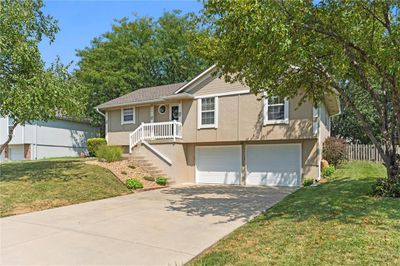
334 151
383 188
149 178
134 183
328 171
161 180
109 153
308 181
93 144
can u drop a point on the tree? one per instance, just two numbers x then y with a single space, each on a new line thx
347 126
331 46
137 53
28 91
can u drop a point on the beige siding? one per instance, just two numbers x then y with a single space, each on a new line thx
183 158
310 161
240 121
241 118
324 123
214 85
142 114
161 117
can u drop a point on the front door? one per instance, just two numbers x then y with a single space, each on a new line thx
175 113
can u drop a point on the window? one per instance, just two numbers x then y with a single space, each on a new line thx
162 109
276 110
128 116
10 125
208 112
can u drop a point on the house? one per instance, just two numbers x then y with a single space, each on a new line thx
37 140
210 131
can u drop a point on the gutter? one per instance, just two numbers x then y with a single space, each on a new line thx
97 110
126 104
159 100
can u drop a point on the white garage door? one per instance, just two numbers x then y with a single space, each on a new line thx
218 164
273 164
16 153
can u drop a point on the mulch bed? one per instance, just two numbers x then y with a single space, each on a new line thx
123 171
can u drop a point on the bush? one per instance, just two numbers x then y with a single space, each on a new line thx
162 181
109 153
149 178
308 181
383 188
93 144
334 151
328 171
134 183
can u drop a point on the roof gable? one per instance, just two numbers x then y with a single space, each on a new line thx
195 81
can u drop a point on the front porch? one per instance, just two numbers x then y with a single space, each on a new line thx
171 130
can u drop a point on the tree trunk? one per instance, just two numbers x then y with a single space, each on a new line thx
393 169
10 136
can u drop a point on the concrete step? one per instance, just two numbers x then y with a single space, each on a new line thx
155 174
142 161
151 168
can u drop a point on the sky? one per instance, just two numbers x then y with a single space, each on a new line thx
81 21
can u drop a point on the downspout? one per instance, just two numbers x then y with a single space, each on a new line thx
106 122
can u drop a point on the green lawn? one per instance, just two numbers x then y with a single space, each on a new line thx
37 185
337 223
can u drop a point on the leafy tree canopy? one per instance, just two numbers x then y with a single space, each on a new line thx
351 47
347 126
138 53
29 91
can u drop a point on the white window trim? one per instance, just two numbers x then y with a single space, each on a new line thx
280 121
122 116
216 114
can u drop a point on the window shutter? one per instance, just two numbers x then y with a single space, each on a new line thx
198 113
286 110
216 112
265 109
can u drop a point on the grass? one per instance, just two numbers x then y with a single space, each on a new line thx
337 223
37 185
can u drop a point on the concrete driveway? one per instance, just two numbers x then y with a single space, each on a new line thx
160 227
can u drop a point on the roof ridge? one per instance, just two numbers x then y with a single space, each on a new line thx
143 94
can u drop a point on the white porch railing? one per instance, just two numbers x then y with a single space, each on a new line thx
153 131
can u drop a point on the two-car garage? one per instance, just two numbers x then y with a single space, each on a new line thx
264 164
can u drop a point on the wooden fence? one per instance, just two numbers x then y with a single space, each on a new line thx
364 152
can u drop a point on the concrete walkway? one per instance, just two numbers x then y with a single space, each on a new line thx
160 227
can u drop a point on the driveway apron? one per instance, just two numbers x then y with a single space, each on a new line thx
160 227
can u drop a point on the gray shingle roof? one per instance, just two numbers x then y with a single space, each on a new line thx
143 95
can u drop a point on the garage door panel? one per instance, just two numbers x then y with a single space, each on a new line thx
273 165
16 153
218 164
